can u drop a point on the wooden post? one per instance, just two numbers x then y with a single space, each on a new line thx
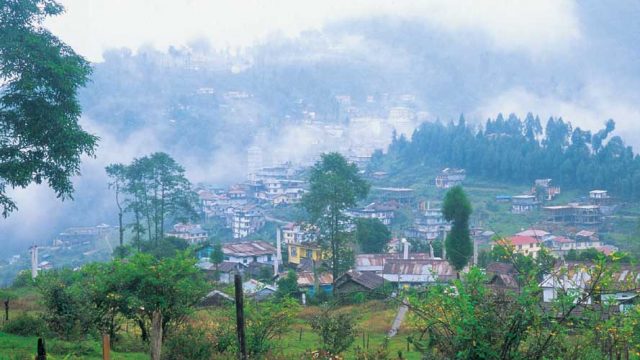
106 347
42 352
300 338
6 309
364 344
240 317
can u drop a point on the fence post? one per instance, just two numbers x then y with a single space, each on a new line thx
106 347
240 317
42 352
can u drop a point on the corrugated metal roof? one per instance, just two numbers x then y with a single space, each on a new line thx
440 268
248 248
379 259
306 279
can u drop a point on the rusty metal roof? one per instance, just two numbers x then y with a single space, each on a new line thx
305 279
440 268
248 248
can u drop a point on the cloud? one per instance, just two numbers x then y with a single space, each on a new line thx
93 26
588 108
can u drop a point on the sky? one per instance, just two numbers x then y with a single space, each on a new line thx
91 26
544 31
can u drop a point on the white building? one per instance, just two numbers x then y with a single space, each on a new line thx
245 222
192 233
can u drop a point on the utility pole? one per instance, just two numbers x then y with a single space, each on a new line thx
240 317
34 262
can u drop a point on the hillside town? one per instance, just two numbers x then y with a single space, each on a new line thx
319 180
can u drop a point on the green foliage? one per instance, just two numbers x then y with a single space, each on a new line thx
457 209
23 280
188 343
171 286
155 190
287 286
337 330
469 320
26 325
217 256
516 151
39 110
372 235
380 352
67 311
166 247
335 186
267 321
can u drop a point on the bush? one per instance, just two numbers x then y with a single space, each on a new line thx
188 343
26 325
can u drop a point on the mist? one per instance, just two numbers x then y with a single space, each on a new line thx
206 104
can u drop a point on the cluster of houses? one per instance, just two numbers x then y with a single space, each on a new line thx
587 213
449 178
241 207
191 233
429 223
530 242
574 279
402 269
82 235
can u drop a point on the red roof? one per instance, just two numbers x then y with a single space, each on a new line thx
562 239
522 240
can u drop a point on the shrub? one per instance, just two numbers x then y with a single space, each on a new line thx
188 343
337 330
26 325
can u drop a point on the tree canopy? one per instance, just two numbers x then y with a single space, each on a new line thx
335 186
457 209
518 151
156 191
372 235
39 77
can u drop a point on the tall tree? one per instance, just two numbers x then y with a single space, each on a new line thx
39 110
118 175
457 209
158 191
335 186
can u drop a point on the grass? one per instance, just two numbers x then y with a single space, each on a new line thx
374 321
14 347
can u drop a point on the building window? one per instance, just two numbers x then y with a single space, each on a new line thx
255 259
310 254
268 257
244 260
294 251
